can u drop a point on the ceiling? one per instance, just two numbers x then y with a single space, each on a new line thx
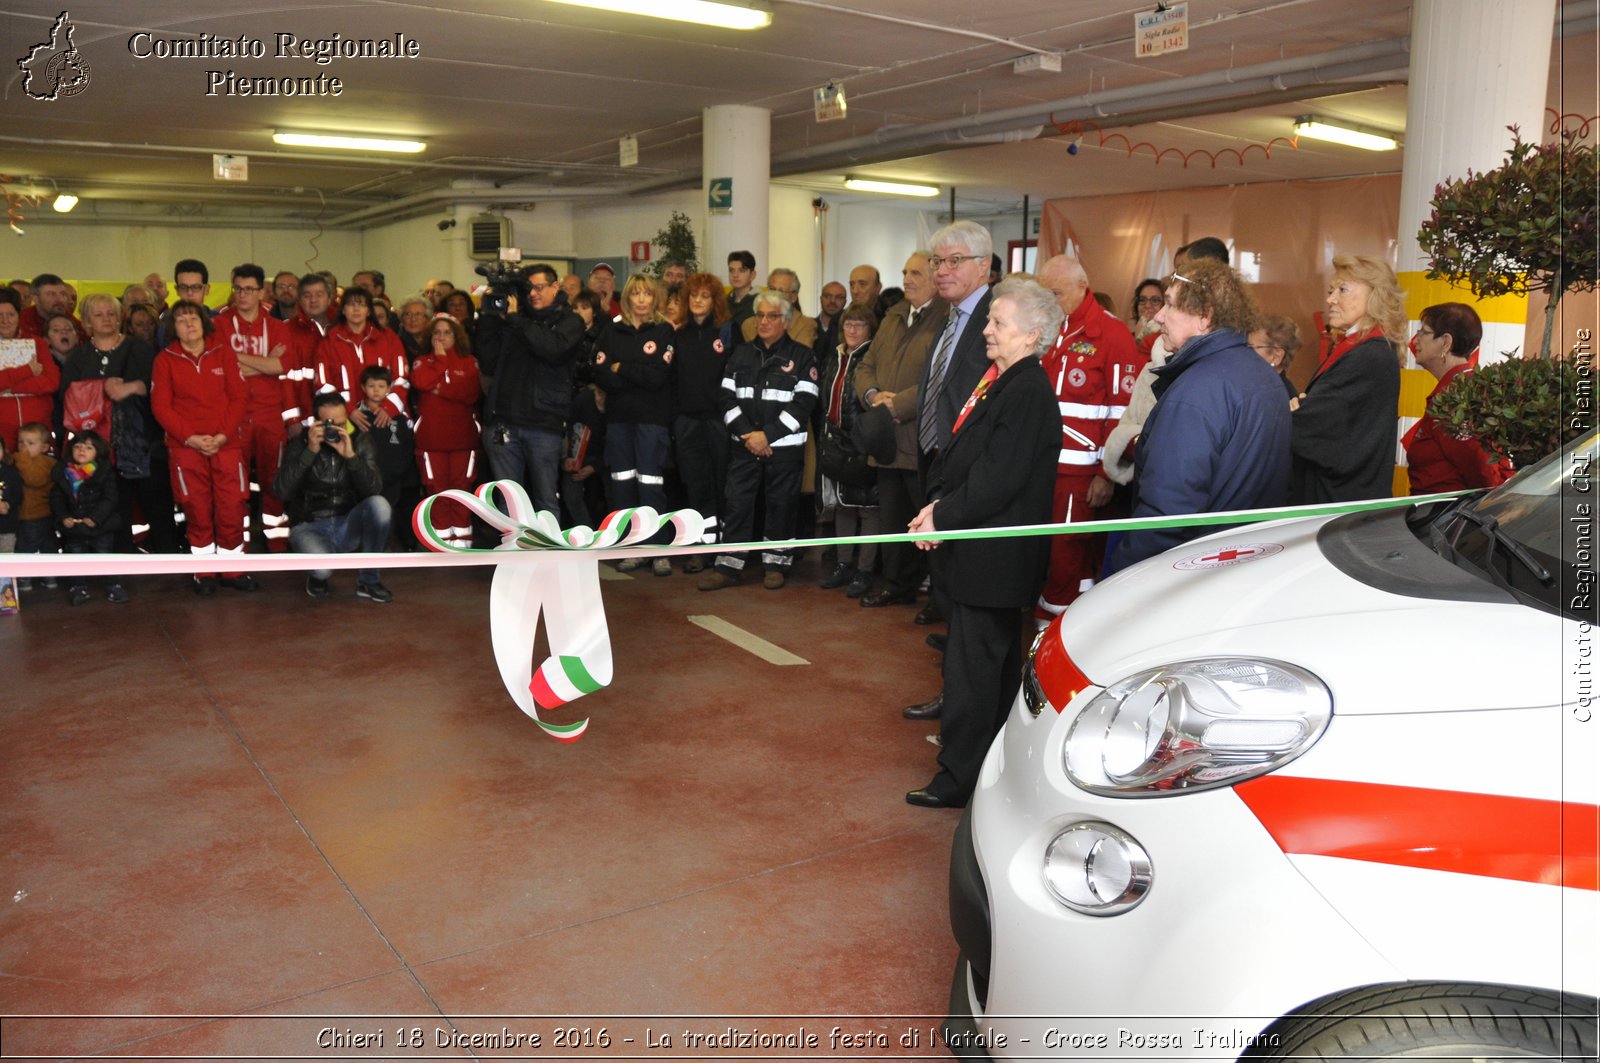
526 100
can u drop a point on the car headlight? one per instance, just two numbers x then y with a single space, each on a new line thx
1097 869
1195 725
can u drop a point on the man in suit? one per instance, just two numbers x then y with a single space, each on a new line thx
891 375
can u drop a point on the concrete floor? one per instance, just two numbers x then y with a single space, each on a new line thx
222 812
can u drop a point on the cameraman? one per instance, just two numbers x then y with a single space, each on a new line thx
332 489
531 351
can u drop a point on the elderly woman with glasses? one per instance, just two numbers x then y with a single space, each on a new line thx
1276 341
1446 345
996 470
1218 436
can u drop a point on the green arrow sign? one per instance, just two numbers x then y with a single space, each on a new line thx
719 195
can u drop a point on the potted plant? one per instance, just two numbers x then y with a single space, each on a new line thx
676 241
1530 225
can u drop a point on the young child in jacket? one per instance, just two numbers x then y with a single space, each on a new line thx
10 517
394 443
35 528
84 501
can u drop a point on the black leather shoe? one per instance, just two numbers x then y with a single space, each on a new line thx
937 641
245 582
929 614
928 710
841 574
888 596
922 797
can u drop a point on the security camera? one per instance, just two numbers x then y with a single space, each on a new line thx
448 223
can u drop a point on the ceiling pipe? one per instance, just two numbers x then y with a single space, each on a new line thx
434 199
1284 75
1260 82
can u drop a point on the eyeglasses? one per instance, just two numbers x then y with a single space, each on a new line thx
954 261
191 288
787 291
1426 331
541 287
1150 300
241 288
856 324
769 316
1181 277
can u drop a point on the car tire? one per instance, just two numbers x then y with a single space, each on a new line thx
1460 1020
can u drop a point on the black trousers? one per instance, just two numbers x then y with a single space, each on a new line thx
702 446
982 672
900 499
749 476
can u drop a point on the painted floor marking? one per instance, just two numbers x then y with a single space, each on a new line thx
745 641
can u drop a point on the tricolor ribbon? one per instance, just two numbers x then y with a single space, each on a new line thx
565 591
542 569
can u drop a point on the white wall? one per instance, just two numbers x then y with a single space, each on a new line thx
124 254
606 229
881 233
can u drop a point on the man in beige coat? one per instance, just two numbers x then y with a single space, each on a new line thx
890 375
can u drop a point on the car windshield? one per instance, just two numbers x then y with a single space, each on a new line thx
1534 535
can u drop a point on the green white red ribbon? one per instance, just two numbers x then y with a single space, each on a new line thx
566 591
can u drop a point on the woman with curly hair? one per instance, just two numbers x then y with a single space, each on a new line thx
1218 436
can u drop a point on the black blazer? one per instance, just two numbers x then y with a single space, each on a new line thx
968 363
998 471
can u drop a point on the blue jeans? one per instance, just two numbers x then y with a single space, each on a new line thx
363 530
530 456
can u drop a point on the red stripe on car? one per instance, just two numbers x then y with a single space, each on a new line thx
1059 678
1521 838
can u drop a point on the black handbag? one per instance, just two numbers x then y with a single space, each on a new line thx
841 461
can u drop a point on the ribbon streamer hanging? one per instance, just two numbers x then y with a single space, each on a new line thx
565 591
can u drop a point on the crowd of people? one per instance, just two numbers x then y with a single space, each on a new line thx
957 401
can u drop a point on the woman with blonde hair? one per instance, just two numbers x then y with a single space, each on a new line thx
633 366
1345 422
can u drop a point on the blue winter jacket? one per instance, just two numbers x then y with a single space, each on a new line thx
1217 439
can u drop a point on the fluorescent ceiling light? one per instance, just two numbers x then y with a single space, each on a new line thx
65 202
333 140
701 12
893 188
1309 125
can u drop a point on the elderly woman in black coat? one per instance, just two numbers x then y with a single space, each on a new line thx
996 470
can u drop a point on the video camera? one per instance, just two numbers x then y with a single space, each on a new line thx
506 277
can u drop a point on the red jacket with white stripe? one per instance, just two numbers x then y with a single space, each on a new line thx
447 394
342 355
1092 368
197 396
299 366
258 339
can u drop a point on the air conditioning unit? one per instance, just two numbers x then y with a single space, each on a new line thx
486 235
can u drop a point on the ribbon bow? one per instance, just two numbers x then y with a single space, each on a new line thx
565 590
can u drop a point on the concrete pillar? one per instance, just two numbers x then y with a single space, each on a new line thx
738 148
1477 66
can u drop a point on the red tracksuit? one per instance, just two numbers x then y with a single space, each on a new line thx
25 396
263 430
204 395
342 355
1092 366
447 432
299 366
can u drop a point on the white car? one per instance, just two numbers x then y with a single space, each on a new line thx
1320 787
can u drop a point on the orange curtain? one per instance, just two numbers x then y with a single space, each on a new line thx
1283 236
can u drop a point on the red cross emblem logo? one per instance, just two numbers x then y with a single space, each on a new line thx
1226 556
